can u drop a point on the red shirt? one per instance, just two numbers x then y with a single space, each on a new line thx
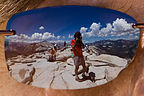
77 48
52 52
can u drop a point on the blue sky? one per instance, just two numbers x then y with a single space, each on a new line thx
62 22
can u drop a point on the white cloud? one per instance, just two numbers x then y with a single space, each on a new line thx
95 26
58 37
106 30
20 38
41 27
83 29
121 24
119 27
93 30
36 36
23 36
48 35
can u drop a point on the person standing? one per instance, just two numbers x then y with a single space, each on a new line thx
77 46
64 43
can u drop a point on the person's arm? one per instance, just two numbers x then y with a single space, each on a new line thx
73 44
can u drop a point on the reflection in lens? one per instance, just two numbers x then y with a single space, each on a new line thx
69 47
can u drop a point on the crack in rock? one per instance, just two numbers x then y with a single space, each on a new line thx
29 79
66 85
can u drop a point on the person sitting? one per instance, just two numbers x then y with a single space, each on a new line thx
52 57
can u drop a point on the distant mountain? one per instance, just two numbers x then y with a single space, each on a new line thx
121 48
20 48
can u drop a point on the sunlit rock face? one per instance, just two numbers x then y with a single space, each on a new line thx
109 39
59 74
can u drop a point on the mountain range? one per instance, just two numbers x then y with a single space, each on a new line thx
122 48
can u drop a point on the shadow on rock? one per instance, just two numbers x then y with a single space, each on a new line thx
90 77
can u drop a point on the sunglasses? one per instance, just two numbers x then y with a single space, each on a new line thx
42 50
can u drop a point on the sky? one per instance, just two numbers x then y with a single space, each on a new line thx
60 23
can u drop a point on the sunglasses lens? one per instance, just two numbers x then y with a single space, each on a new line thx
46 51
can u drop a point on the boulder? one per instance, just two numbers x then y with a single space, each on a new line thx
9 63
86 53
59 74
45 73
111 59
22 73
96 63
38 56
93 49
41 49
92 57
18 60
28 60
31 56
64 55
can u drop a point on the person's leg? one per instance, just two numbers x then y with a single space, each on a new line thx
83 65
76 72
76 63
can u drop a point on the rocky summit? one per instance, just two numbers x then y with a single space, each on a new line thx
35 69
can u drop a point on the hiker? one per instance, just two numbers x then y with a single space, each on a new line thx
77 46
64 43
64 46
55 47
52 57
